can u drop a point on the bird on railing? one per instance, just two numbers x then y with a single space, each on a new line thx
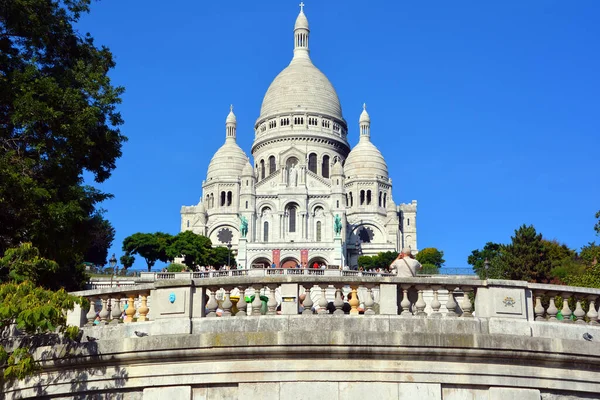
140 334
588 337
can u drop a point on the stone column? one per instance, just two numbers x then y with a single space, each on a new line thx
242 257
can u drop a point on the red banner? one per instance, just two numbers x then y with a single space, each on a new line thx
276 257
303 258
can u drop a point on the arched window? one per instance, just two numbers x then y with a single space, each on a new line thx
247 182
408 221
362 197
246 205
325 167
351 200
271 165
222 199
262 169
312 162
318 231
384 199
380 199
337 204
208 201
347 201
368 197
229 197
266 232
212 201
188 223
292 218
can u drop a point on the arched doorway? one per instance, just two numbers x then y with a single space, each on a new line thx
261 262
318 260
288 262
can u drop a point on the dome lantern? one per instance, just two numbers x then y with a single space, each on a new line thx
301 33
364 123
230 124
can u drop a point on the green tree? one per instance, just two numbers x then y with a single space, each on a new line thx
220 255
597 226
367 262
195 249
526 257
429 269
35 311
477 259
58 118
381 260
151 247
24 263
127 261
101 234
431 255
590 254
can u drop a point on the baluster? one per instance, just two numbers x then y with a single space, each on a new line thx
369 302
307 303
466 304
450 302
566 311
338 302
130 312
592 314
579 313
227 304
241 304
212 304
420 304
104 313
323 301
91 315
256 304
539 308
272 303
405 303
435 303
143 309
354 303
116 311
552 311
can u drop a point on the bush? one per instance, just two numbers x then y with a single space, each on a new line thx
176 268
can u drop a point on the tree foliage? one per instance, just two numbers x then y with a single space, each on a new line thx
195 249
431 255
477 260
382 260
150 246
220 256
597 226
34 311
58 118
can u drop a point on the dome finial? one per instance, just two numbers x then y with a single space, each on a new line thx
301 33
365 123
230 124
365 106
301 6
231 108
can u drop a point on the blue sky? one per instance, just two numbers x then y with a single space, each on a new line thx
488 113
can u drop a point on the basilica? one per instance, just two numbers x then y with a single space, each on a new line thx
308 197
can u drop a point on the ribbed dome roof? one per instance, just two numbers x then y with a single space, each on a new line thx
365 160
301 86
228 161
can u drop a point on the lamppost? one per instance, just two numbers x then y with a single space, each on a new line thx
228 254
112 262
486 267
358 252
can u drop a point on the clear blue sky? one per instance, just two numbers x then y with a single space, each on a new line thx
488 113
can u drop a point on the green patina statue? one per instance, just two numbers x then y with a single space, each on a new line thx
337 225
243 225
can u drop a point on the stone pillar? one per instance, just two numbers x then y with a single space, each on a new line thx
388 299
242 257
338 251
289 299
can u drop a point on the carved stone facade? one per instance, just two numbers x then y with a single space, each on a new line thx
304 174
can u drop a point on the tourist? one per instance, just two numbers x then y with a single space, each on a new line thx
405 266
316 265
273 265
345 307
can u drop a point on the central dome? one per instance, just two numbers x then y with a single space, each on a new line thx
302 87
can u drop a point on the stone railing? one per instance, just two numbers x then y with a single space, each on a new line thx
545 309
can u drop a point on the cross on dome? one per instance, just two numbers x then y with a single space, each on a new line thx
231 107
365 106
301 6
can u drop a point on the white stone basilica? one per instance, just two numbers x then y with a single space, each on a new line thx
304 175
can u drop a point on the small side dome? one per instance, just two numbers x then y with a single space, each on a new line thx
248 170
365 161
337 169
227 162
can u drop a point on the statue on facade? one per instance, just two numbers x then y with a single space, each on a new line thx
243 225
293 180
337 225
